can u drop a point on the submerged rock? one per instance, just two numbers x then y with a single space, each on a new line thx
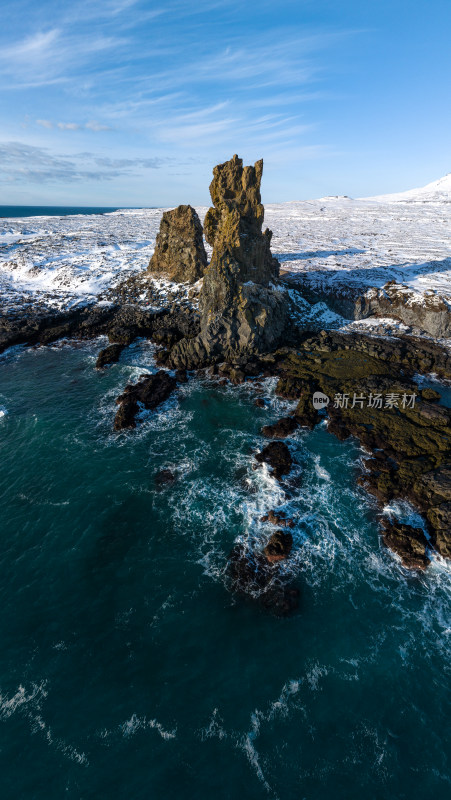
277 456
150 391
409 543
179 252
164 478
242 313
251 574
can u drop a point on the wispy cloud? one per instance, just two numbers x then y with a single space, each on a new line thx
92 125
68 126
177 79
51 57
24 163
45 123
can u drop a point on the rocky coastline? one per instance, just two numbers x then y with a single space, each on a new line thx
236 327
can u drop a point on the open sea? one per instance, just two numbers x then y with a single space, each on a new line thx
51 211
127 670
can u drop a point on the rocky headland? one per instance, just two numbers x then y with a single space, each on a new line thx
237 325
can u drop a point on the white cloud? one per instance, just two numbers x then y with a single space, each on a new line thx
44 123
68 126
93 125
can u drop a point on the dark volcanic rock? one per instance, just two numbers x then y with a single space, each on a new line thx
278 456
409 543
279 546
164 478
251 574
179 251
410 441
242 313
181 376
281 429
109 355
149 392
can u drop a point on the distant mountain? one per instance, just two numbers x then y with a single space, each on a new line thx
435 192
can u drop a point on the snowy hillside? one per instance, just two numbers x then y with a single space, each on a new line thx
436 192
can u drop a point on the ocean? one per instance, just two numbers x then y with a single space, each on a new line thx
128 670
51 211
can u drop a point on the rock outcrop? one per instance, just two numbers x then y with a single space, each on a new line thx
278 457
109 355
251 573
409 543
179 253
148 393
242 312
374 397
278 547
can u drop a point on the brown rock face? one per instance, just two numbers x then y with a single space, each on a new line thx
241 252
279 546
409 543
179 252
242 314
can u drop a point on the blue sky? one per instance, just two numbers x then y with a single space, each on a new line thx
131 102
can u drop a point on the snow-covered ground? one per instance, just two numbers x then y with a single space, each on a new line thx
347 244
67 260
364 244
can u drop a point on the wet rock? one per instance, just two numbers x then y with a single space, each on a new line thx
149 392
260 403
410 439
430 395
278 518
278 457
409 543
181 376
281 429
109 355
179 250
439 518
164 478
252 575
126 413
278 547
305 413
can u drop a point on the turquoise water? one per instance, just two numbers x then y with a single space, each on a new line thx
128 671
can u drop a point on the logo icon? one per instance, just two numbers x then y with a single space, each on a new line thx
320 400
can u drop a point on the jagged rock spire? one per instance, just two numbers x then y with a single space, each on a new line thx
241 252
241 313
